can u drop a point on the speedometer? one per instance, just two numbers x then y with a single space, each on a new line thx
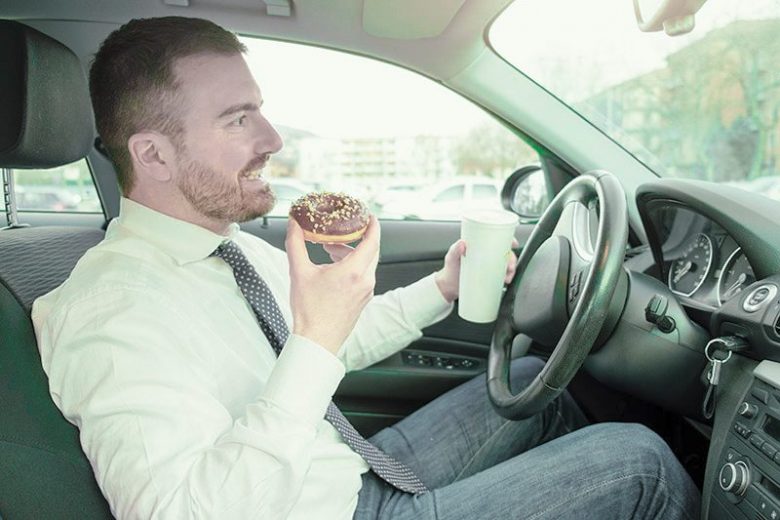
688 272
735 275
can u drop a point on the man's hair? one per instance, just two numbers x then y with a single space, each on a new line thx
133 85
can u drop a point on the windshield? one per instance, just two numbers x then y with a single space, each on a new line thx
705 105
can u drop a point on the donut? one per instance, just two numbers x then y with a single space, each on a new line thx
330 218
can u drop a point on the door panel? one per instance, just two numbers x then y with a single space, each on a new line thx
450 352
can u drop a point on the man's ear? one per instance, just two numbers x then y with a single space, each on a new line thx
153 155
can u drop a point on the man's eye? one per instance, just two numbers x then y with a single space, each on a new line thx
241 121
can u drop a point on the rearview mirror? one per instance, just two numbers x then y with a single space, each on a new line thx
673 16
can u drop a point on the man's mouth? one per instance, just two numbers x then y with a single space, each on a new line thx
253 175
254 171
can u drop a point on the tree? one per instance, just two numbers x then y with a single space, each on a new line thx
491 150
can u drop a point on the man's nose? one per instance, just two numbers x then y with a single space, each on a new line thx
268 139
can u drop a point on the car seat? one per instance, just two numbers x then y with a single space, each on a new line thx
45 121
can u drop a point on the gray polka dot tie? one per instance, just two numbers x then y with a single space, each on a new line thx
272 323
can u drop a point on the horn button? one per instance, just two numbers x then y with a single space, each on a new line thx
540 303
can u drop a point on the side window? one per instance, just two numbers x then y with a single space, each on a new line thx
68 189
407 146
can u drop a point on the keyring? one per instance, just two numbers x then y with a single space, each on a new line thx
707 351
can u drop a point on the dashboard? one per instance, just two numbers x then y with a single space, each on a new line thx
716 249
716 261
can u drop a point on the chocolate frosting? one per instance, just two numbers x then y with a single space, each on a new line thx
329 213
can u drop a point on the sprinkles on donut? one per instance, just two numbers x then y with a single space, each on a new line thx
330 218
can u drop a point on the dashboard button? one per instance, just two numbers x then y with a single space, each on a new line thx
756 441
753 496
761 395
759 296
743 430
769 450
734 478
732 456
747 410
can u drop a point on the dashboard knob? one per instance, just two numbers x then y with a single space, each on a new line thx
734 477
748 410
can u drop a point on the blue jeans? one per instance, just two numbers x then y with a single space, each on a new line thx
481 466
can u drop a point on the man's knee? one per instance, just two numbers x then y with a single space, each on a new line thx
617 440
641 465
638 451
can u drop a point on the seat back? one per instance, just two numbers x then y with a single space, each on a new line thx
45 121
45 474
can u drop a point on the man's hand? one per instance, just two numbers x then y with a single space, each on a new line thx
327 299
448 279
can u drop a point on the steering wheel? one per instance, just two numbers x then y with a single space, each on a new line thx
562 292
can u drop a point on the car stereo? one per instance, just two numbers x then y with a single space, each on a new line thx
749 466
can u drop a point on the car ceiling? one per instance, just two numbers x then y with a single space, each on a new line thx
407 32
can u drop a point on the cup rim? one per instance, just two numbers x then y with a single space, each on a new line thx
509 217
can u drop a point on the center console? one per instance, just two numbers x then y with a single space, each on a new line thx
748 481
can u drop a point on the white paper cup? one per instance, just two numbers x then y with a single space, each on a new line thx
488 235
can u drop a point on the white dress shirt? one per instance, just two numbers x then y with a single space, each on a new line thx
183 408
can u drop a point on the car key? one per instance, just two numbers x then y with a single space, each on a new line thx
720 345
714 376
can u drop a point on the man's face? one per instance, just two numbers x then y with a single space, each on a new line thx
226 140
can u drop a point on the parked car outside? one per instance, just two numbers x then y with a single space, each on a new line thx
47 198
395 191
446 200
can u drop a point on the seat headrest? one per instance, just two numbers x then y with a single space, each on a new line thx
45 113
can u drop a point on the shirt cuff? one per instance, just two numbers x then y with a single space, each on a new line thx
423 303
304 379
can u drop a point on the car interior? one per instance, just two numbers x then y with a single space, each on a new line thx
653 299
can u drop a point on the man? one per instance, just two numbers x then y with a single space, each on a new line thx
165 345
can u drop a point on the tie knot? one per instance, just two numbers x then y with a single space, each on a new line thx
230 253
225 248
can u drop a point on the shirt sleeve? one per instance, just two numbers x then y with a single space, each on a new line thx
160 441
387 324
393 320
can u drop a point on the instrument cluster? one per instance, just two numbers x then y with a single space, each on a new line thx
701 261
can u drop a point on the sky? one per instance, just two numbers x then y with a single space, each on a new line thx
335 94
597 43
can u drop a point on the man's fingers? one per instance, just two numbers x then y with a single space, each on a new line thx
368 248
511 268
374 262
295 246
460 247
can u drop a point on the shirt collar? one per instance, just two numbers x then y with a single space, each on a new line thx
183 241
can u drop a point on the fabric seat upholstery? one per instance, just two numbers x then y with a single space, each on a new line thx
45 120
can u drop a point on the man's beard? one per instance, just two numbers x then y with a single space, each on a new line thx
217 197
